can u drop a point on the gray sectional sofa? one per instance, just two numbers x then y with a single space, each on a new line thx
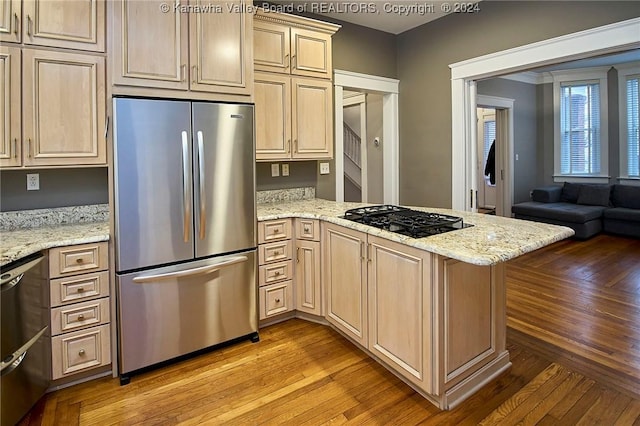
587 209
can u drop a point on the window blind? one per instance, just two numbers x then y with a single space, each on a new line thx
489 137
580 129
633 127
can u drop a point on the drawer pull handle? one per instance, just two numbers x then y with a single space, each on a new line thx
16 23
276 253
276 231
79 260
277 300
80 290
277 273
80 317
81 352
306 230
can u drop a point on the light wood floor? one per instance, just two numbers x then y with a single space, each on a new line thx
574 338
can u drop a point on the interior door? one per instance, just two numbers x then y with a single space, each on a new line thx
153 184
486 137
224 181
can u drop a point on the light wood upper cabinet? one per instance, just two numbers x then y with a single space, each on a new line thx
77 24
10 20
272 116
345 281
310 53
293 117
10 113
220 50
150 47
63 109
312 120
181 49
293 45
272 51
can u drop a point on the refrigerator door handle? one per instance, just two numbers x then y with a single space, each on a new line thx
189 272
186 204
201 182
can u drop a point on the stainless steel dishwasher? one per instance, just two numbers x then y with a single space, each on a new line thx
25 341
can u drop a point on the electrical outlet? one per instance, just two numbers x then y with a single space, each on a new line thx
324 168
285 170
33 181
275 170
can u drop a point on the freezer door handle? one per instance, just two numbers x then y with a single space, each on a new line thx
186 203
18 356
201 182
189 272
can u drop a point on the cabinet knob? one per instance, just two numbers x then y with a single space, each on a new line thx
276 231
80 317
81 352
307 230
277 300
80 290
79 260
277 273
276 253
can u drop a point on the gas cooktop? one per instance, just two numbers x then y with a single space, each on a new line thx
413 223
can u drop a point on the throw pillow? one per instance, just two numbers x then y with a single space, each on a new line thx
594 195
626 196
570 192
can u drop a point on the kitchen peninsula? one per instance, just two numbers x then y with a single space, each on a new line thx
431 310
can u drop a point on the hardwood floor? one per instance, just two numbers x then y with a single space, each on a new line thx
574 334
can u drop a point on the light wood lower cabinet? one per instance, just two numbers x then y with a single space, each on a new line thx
437 322
345 281
80 309
307 266
399 303
276 269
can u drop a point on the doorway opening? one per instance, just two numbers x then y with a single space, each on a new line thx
366 123
486 165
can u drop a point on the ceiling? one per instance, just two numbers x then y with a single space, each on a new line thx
596 61
392 16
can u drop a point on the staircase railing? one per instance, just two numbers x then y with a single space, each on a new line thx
352 144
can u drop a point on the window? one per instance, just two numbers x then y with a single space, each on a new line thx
581 133
632 137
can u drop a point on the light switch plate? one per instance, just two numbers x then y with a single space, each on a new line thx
33 181
285 170
275 170
324 168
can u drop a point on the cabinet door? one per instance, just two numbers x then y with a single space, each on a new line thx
273 116
400 309
150 48
308 277
77 24
10 114
220 47
10 20
63 109
271 47
312 119
310 53
345 281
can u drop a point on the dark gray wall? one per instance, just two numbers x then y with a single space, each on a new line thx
424 55
301 174
524 130
58 188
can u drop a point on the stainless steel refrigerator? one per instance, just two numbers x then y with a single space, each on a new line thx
185 227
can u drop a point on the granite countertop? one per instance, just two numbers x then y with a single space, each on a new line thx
23 242
491 240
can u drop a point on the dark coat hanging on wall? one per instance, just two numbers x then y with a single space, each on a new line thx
490 167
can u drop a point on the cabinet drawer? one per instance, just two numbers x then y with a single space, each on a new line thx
274 230
276 299
78 259
307 229
79 288
275 272
79 315
80 350
274 252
